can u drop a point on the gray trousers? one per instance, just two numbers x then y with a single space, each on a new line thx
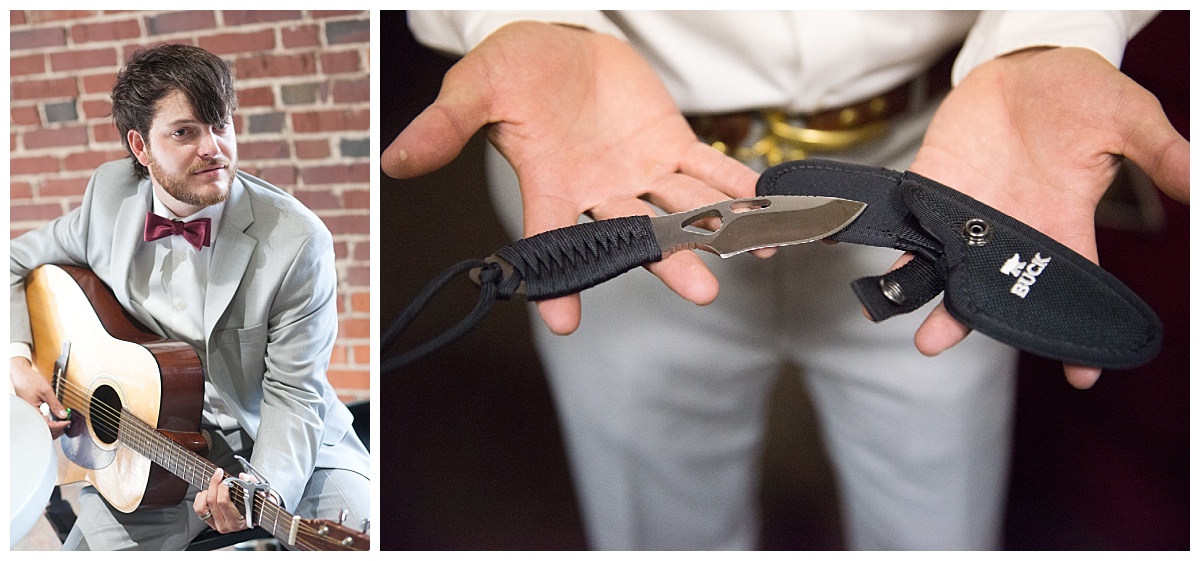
100 527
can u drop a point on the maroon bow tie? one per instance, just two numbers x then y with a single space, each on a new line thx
195 231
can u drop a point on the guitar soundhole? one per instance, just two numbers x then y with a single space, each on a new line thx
105 413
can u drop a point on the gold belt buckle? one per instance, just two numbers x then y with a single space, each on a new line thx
782 141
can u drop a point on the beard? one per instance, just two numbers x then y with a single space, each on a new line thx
177 186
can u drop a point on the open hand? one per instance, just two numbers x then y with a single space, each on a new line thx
589 128
1038 135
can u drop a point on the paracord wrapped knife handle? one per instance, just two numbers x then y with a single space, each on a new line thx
999 276
548 265
569 260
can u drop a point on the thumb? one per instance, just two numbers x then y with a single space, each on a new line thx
436 136
56 408
1158 149
1169 168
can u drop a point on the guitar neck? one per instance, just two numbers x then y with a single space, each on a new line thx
198 471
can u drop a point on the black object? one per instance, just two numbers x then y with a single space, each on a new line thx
572 259
1000 276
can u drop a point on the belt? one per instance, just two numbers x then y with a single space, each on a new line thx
784 137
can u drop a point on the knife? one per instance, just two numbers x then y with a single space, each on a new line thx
572 259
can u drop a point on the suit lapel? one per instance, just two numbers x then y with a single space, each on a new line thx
231 255
127 234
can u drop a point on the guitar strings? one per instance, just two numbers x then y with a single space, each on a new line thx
109 418
106 413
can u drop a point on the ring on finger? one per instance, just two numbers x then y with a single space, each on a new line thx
207 514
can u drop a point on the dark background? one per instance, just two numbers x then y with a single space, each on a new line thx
471 456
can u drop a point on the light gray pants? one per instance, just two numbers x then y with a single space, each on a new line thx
663 403
100 527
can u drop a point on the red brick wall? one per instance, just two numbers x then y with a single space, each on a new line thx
304 90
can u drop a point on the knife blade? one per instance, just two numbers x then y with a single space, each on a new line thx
572 259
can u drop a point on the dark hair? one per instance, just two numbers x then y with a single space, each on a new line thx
152 74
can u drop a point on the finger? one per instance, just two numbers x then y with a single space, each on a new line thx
51 400
561 315
1081 377
1155 146
683 272
681 193
544 213
437 135
57 428
687 275
211 496
225 515
1169 168
723 173
200 505
677 192
939 332
764 252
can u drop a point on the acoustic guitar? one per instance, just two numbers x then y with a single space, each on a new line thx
135 401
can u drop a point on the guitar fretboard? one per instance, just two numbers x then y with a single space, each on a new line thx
198 471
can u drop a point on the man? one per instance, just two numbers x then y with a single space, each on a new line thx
662 405
253 292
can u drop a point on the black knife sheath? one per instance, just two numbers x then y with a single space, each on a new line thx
999 276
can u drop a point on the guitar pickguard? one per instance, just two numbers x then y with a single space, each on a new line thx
83 442
77 446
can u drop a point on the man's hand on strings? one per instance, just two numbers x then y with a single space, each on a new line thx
215 508
30 386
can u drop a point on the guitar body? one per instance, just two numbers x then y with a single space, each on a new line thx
114 363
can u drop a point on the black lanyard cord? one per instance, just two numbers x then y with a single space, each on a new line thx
489 277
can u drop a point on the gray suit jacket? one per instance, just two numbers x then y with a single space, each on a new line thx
270 314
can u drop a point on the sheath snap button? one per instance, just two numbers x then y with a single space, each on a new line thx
976 231
892 291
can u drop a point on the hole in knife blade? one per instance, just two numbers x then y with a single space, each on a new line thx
706 222
749 205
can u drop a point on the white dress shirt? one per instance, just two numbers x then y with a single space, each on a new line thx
716 61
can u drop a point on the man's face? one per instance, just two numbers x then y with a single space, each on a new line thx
192 161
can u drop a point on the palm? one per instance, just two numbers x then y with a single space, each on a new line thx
1038 135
